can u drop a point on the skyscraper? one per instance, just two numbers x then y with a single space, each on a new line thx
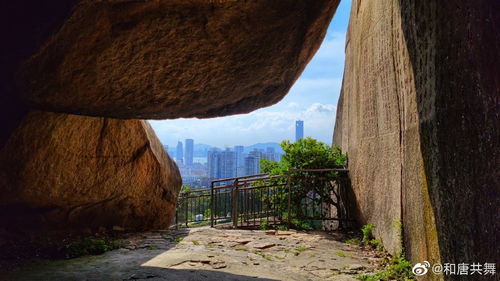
221 164
240 160
299 129
189 152
213 164
252 162
180 153
228 164
239 155
252 165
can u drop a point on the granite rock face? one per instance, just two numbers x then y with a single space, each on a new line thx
130 59
368 119
418 116
454 49
172 59
60 171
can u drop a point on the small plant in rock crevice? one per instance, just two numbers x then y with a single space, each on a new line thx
266 257
367 231
396 267
340 254
354 241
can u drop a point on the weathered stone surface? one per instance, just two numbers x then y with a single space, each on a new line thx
368 126
418 116
187 261
170 59
26 24
60 171
454 49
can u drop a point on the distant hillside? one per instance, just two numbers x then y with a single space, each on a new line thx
200 149
264 146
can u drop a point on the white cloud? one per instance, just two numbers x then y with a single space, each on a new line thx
323 108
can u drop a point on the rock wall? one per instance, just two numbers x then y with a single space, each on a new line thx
130 59
418 116
454 48
60 171
368 120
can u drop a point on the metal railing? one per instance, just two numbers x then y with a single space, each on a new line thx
249 201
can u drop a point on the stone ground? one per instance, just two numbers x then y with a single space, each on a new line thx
212 254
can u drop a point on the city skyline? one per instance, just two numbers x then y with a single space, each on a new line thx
179 142
219 163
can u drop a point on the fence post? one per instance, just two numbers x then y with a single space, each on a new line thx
177 215
235 203
212 204
289 185
187 214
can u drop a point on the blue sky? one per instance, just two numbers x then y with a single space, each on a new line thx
313 98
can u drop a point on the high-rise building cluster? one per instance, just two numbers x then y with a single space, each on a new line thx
230 163
198 166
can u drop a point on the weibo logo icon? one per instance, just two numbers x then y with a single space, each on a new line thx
421 268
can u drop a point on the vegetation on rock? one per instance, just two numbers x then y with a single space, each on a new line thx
395 267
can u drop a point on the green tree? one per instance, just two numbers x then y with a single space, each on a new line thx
306 153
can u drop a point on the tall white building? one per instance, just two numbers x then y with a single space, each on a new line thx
213 164
299 129
252 162
179 156
228 164
189 152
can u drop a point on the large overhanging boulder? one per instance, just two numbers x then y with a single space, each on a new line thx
152 59
69 172
174 58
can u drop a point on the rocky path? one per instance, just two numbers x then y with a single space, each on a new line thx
212 254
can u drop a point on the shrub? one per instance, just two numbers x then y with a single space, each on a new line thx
377 244
282 227
396 268
367 231
89 246
264 224
353 241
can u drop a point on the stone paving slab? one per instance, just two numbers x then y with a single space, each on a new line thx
212 254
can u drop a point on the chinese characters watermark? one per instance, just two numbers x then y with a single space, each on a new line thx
455 269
